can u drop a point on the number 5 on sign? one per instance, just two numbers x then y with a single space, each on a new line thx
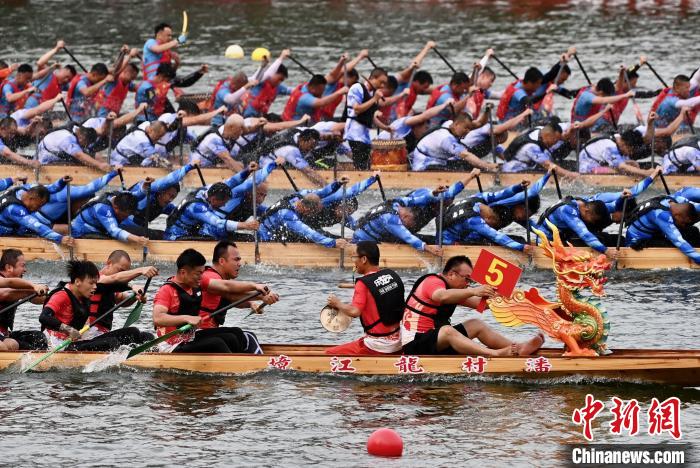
494 271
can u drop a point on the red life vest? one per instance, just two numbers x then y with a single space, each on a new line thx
595 108
211 303
404 106
430 315
71 88
477 98
437 94
291 107
161 97
327 112
150 68
661 97
504 103
18 104
114 100
692 115
189 304
262 102
52 89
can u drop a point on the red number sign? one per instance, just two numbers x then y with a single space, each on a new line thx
494 271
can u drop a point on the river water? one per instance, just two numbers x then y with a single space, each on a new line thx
119 417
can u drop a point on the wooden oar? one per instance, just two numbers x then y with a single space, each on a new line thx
369 59
492 136
147 183
505 67
663 181
527 217
381 187
255 311
182 140
255 218
289 177
135 314
634 101
110 134
556 183
121 179
341 259
440 225
187 326
444 60
478 184
65 108
70 222
82 331
583 70
77 62
301 65
656 74
19 303
201 177
619 231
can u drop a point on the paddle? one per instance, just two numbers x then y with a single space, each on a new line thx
70 225
652 144
289 177
19 303
527 216
341 260
612 120
255 311
444 60
505 67
556 183
65 108
182 140
187 326
440 225
634 101
663 181
135 314
478 184
301 65
201 177
110 134
255 218
77 62
121 179
656 74
492 136
147 183
82 331
583 70
381 187
619 231
374 65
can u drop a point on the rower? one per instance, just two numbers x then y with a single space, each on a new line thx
197 213
612 154
83 89
216 145
441 149
69 146
294 145
67 309
478 140
578 220
154 92
663 222
18 216
259 99
362 104
219 288
229 92
113 125
670 101
415 81
592 99
532 149
178 302
683 156
282 222
140 147
163 192
112 95
32 125
344 74
308 99
426 328
8 131
378 302
13 266
49 88
520 94
113 282
160 49
413 127
625 82
100 217
456 90
15 91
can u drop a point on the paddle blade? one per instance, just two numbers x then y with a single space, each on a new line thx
60 347
146 346
134 315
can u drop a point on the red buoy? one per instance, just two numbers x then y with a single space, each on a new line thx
385 442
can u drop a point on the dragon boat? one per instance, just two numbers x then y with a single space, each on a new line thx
299 255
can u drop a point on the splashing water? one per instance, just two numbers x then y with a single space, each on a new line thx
111 359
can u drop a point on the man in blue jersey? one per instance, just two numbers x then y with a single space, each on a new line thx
100 218
17 216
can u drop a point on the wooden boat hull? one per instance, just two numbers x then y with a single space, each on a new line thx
277 180
315 256
669 367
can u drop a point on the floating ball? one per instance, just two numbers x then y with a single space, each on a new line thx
385 442
260 54
234 52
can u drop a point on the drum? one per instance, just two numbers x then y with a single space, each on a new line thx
389 155
333 321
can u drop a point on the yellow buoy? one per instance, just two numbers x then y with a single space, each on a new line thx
260 54
234 52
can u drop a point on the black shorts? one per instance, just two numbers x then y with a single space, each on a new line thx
426 343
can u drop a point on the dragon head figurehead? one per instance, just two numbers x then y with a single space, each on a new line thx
576 269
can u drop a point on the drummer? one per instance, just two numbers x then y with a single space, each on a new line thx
378 300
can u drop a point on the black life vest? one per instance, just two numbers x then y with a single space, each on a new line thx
251 150
103 199
600 162
190 304
228 144
175 218
598 227
640 210
6 201
690 142
365 222
564 201
279 140
365 118
460 211
430 132
134 159
62 155
7 318
219 318
442 314
280 232
103 300
80 308
518 142
387 289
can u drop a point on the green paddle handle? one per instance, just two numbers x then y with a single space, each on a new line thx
60 347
